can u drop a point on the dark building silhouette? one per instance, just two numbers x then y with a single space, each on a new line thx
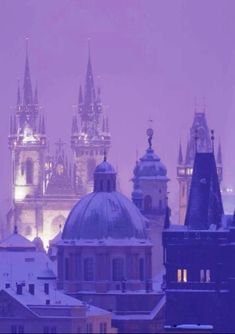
199 257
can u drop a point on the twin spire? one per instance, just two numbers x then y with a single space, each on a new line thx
29 99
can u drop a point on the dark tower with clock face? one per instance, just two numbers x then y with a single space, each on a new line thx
200 130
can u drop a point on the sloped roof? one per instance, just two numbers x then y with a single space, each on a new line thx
16 240
205 206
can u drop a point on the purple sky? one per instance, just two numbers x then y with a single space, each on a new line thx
153 57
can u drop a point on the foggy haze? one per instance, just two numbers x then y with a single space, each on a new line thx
152 58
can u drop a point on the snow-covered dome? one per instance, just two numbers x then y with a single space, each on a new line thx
104 215
104 167
150 166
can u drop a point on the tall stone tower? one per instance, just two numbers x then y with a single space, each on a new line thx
90 134
27 143
150 196
199 132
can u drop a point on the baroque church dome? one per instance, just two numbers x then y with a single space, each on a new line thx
150 165
105 213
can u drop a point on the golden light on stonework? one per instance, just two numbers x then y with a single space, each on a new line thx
20 193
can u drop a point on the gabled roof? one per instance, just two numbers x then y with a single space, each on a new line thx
205 206
17 241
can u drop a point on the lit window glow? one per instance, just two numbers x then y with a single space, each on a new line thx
182 275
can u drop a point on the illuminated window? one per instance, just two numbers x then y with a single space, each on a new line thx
205 275
182 275
88 269
29 171
181 171
147 203
118 269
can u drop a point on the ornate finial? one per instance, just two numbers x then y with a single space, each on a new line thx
212 139
15 229
196 139
149 133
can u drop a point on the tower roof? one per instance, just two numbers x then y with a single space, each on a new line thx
28 91
205 208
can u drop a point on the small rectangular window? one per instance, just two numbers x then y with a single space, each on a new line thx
205 275
182 275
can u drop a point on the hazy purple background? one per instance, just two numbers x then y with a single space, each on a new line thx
153 57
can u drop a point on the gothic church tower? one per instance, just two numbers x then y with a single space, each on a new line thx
199 132
90 134
27 143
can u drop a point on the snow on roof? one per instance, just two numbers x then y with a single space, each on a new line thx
106 242
24 266
104 214
16 240
37 302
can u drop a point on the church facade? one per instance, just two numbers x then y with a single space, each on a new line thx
44 186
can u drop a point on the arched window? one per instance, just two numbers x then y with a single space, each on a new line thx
88 266
147 203
29 171
141 269
118 269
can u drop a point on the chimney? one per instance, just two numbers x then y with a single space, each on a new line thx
46 288
31 289
19 289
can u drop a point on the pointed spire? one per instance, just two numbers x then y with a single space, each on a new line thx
180 157
18 95
43 128
74 125
103 125
80 96
28 92
11 126
219 155
187 156
36 95
89 95
107 124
